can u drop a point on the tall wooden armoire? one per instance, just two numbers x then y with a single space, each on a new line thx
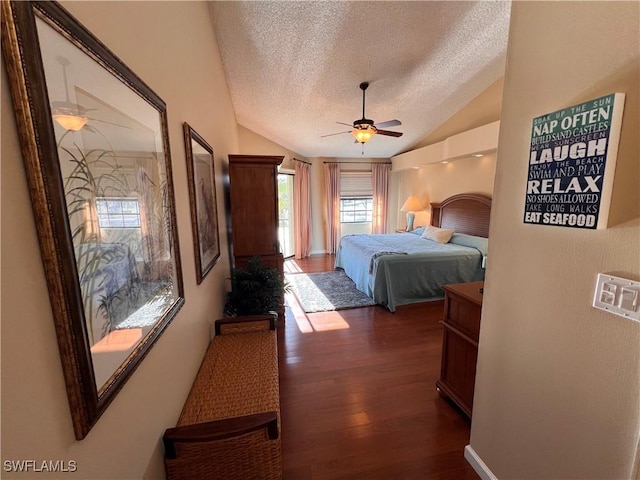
253 188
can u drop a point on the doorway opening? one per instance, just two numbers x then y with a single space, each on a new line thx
285 214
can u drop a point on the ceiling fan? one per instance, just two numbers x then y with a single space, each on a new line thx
69 115
364 129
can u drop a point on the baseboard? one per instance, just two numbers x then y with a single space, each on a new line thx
478 465
318 252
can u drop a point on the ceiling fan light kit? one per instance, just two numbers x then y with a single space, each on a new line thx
363 133
70 122
69 115
69 119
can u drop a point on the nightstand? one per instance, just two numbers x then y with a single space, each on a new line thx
461 329
401 230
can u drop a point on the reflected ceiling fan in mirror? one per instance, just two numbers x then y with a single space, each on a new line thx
69 115
364 129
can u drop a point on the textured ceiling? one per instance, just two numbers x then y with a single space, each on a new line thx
294 68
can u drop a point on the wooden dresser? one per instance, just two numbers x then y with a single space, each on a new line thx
253 198
461 329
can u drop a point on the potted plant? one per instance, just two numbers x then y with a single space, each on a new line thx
256 289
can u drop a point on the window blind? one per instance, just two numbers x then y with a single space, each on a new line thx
355 184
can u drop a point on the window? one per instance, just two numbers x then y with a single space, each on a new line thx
118 212
356 197
356 210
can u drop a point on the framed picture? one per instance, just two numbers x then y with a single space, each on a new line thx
202 194
572 162
96 151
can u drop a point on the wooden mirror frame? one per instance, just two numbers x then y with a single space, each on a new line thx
25 68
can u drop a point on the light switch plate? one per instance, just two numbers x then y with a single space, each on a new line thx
619 296
628 299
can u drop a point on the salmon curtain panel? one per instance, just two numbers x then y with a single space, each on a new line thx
302 210
332 194
380 184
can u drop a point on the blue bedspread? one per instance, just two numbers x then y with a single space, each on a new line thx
105 267
399 269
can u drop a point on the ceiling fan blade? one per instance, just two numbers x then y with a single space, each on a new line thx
109 123
388 133
347 124
390 123
332 134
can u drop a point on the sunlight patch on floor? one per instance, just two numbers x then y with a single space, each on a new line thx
359 419
326 321
118 341
298 314
291 266
314 322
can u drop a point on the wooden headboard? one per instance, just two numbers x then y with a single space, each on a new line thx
465 213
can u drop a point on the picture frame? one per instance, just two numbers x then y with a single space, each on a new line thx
203 200
97 160
572 162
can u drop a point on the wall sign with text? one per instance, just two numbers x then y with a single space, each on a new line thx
572 163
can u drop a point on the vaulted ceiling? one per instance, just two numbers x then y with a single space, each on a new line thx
294 68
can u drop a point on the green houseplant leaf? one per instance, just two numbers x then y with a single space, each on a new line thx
255 289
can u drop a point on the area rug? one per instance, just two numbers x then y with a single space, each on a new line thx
327 291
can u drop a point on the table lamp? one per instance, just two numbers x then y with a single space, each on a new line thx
411 205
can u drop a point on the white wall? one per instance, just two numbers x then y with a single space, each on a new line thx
558 382
318 200
430 183
436 182
250 143
355 229
172 47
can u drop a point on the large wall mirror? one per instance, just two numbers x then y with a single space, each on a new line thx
96 152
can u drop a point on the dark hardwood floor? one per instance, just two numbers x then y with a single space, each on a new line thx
358 397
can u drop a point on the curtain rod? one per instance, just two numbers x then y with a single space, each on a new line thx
301 161
366 163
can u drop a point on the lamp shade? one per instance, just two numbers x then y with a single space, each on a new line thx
70 122
69 115
411 204
363 135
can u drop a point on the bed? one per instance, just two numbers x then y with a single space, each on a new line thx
108 273
403 268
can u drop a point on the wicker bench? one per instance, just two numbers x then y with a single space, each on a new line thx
229 427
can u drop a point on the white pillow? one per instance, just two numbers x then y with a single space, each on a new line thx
440 235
